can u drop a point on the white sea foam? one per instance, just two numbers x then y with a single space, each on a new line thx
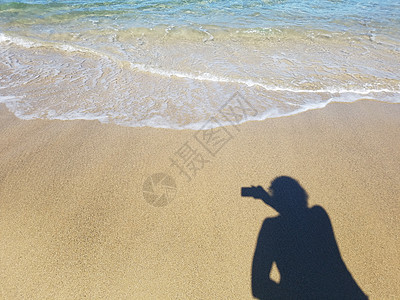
23 42
140 85
34 43
8 99
18 107
29 43
251 83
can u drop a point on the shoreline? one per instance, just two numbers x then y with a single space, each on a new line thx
74 221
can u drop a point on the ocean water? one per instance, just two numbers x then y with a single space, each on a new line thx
173 64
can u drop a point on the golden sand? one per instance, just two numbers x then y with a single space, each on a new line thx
74 222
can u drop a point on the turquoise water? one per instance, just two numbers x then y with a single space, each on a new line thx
174 63
354 15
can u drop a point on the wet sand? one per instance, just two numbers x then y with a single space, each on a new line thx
74 222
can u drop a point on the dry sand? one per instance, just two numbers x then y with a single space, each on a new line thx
74 222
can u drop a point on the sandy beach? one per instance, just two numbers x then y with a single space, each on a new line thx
74 222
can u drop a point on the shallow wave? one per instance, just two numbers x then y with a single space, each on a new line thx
159 79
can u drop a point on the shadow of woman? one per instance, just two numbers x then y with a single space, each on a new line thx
300 240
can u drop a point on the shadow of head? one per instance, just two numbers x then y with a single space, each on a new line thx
288 195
